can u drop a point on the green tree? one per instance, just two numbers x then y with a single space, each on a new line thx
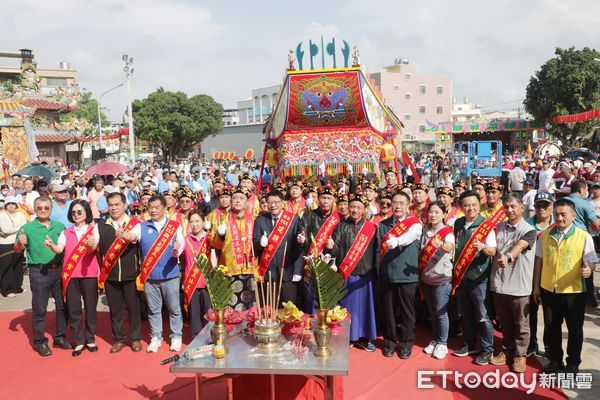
174 122
568 83
87 108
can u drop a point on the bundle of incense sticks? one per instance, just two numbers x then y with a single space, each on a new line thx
269 296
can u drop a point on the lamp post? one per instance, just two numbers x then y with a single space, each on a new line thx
128 72
99 117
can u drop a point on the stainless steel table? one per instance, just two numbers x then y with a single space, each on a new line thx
244 357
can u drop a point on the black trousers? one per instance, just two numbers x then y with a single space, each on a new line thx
11 270
121 295
199 305
399 296
571 309
86 288
45 282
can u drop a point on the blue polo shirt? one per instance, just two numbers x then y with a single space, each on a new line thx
585 211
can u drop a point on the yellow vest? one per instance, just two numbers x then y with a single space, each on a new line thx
562 263
487 212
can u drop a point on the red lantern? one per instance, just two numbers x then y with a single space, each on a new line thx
249 154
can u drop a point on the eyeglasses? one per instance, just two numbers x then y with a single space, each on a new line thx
45 208
77 212
399 203
274 202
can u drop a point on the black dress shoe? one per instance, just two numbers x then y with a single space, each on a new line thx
388 352
77 352
405 352
43 350
62 344
93 348
571 369
554 367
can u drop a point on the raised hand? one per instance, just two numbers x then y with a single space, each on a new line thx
91 241
264 240
23 238
48 242
301 238
119 232
176 247
222 230
329 244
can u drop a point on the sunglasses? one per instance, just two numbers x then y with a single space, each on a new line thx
46 208
77 212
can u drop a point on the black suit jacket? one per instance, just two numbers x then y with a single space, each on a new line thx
294 264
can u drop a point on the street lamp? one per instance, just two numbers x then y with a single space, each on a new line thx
100 119
128 72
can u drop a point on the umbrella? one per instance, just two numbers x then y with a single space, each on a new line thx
106 168
37 170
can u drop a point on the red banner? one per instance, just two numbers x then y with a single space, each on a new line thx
275 239
358 248
325 232
194 275
398 230
74 259
156 251
429 249
114 253
584 116
240 243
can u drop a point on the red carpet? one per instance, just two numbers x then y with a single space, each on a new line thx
127 375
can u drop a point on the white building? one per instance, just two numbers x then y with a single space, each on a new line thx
465 111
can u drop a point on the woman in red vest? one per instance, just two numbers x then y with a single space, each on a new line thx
79 274
196 297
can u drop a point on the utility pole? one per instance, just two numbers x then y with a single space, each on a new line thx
128 72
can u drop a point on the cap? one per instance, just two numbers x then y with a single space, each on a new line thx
327 189
220 180
444 190
118 183
358 197
146 184
168 193
370 185
494 185
480 182
246 175
387 193
224 192
137 207
543 196
459 184
147 192
421 186
59 188
406 185
390 169
342 198
242 190
295 182
10 199
184 191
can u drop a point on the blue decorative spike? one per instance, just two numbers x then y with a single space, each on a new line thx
346 53
299 56
322 53
331 51
314 50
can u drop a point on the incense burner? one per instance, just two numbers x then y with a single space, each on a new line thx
267 335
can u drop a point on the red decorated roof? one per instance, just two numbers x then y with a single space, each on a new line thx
43 104
51 138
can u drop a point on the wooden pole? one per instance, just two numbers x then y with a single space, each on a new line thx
281 275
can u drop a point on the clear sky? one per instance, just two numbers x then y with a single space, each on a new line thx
226 48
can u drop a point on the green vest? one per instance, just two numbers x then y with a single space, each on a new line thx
479 269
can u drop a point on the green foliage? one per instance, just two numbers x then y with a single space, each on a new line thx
327 285
87 108
218 284
175 122
568 83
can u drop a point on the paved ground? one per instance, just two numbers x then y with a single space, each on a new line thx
590 353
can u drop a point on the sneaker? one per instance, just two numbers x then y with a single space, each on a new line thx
175 345
484 358
365 345
440 352
154 345
465 351
11 295
430 347
531 351
498 359
519 364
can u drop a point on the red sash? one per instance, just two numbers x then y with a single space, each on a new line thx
428 251
240 249
275 238
398 230
539 235
156 251
114 253
325 232
296 206
74 259
358 248
194 275
469 253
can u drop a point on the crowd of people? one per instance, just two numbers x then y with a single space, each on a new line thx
469 253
